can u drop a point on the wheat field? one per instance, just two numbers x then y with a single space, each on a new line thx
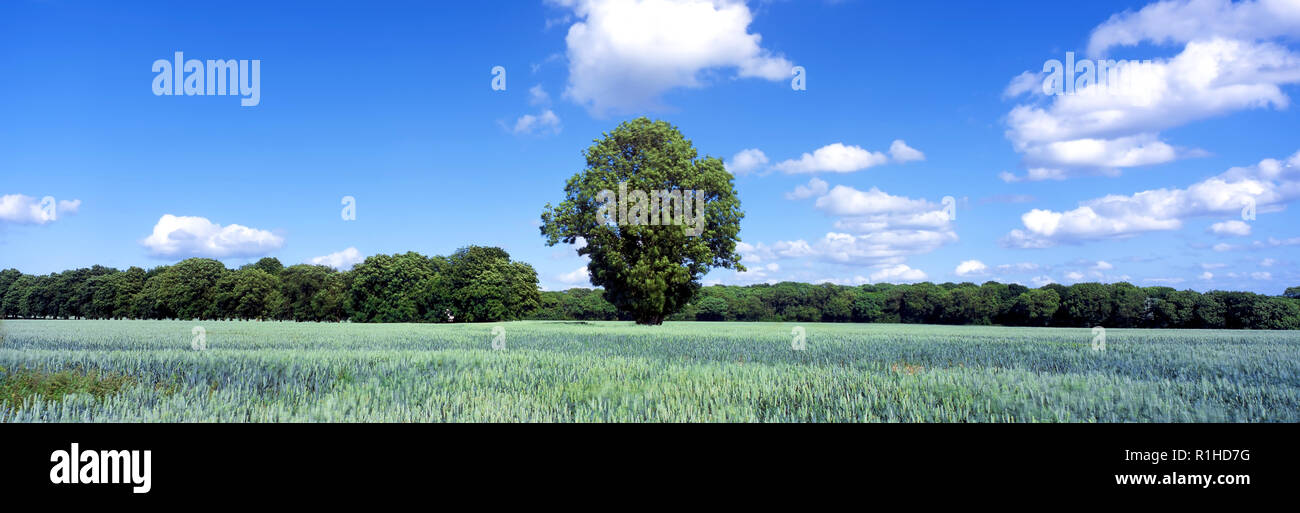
535 371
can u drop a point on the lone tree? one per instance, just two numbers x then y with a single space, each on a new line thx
648 268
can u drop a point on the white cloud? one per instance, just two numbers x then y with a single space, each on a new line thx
21 209
856 280
898 274
746 161
576 277
758 273
877 229
341 260
1275 242
1036 174
1269 185
1181 21
1261 275
537 96
901 152
815 187
625 54
1103 265
847 201
1074 276
1100 131
1229 229
1267 262
1023 83
1022 267
183 236
753 254
971 268
834 158
867 249
545 123
1207 276
1164 281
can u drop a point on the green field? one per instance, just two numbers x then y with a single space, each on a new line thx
147 371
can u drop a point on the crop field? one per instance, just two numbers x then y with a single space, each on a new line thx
150 371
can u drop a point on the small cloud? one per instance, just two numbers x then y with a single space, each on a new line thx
901 152
22 209
1023 83
746 161
342 260
1037 174
1229 229
900 273
578 276
545 123
815 187
971 268
183 236
537 96
1164 281
834 158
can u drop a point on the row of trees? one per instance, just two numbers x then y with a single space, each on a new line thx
473 284
1119 305
482 284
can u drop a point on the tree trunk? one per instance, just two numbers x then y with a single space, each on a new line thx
653 320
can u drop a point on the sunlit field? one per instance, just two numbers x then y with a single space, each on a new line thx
149 371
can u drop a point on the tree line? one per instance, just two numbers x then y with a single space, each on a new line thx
473 284
483 284
1118 305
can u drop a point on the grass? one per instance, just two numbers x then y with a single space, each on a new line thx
146 371
20 385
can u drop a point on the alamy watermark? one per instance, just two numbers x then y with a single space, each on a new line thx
662 207
498 338
1094 77
194 77
200 340
498 78
349 212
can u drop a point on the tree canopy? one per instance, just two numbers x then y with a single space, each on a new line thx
1115 305
482 284
647 267
474 284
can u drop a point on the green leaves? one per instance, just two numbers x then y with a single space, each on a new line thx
648 271
475 284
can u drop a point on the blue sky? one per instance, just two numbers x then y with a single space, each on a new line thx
391 103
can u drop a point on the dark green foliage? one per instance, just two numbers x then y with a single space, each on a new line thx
482 284
475 284
1087 304
648 271
1118 305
